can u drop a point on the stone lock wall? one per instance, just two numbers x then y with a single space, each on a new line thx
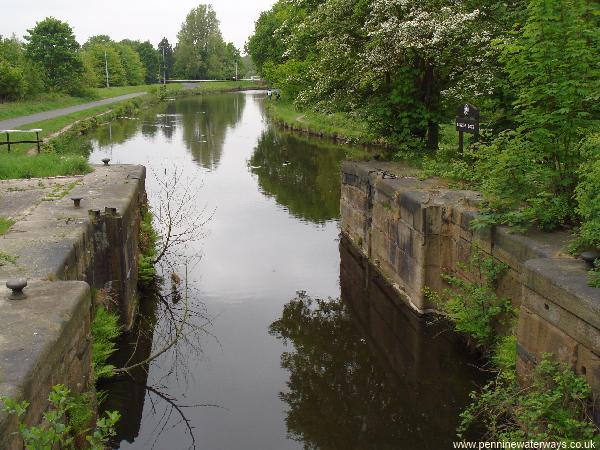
414 230
64 252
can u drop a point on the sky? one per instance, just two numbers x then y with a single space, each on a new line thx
132 19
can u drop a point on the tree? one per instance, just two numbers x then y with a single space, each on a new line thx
201 51
52 46
135 72
97 56
552 66
167 57
150 59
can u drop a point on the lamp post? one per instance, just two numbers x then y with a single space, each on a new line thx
106 68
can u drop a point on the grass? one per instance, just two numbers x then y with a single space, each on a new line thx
44 165
48 102
224 86
5 224
340 126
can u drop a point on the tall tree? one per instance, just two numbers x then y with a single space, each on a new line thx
52 46
200 48
167 58
135 71
150 59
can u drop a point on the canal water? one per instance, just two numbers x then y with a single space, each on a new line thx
298 345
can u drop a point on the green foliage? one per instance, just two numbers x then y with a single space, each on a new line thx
99 55
135 71
166 57
201 52
149 58
473 307
530 174
51 45
147 246
551 407
587 193
67 418
105 330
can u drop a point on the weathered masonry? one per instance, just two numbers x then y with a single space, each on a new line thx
66 252
413 231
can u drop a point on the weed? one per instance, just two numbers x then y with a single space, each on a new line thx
66 418
105 330
5 224
5 259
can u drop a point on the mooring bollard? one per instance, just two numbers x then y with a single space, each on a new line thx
590 257
106 161
16 286
77 201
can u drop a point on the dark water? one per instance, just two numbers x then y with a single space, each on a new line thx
275 367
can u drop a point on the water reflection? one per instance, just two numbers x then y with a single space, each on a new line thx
367 373
203 122
302 177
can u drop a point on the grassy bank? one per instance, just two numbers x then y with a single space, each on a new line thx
227 86
339 126
48 102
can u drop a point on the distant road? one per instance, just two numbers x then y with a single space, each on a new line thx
23 120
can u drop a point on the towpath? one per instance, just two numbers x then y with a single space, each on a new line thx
23 120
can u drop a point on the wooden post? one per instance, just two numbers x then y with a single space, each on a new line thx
8 141
461 141
37 138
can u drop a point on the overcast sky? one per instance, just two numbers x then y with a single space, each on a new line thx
133 19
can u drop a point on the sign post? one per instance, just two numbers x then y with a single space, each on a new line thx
467 121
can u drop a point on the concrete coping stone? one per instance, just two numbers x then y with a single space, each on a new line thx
563 281
30 330
43 240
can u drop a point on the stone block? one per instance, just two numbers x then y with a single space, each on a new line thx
411 208
563 281
574 326
537 336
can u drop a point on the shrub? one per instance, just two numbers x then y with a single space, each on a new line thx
552 406
66 418
473 307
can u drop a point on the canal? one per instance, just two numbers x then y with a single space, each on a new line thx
297 342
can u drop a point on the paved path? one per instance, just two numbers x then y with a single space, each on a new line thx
19 121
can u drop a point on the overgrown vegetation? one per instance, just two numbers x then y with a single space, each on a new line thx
474 308
5 224
551 405
403 67
105 330
68 417
147 246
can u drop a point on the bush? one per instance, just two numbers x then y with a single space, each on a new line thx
473 307
553 406
588 193
12 82
67 418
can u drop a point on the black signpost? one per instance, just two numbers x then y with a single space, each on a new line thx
467 121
